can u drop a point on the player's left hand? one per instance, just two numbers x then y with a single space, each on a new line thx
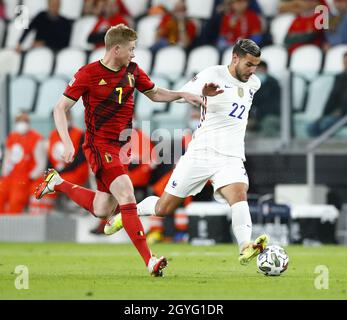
211 90
193 99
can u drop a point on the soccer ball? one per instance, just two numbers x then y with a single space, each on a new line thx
273 261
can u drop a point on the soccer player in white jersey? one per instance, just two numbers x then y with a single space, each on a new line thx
216 151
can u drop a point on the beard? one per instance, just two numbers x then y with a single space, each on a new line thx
239 75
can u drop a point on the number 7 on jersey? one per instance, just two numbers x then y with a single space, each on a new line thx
120 90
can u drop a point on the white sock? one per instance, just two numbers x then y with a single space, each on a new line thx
147 206
241 222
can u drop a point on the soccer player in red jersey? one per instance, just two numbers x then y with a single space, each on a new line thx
107 89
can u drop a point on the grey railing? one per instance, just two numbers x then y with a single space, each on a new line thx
311 151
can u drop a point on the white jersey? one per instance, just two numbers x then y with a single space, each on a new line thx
223 122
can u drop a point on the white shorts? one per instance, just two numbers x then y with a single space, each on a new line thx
191 174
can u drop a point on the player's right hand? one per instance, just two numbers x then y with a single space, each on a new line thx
69 152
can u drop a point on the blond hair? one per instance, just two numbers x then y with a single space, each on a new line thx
119 34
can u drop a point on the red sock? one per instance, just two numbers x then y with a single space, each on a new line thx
82 196
133 226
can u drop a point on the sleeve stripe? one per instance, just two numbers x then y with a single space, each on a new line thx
73 99
148 90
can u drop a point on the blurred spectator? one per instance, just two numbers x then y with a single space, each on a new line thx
52 30
156 10
303 30
210 30
2 10
265 111
76 172
175 28
337 32
239 21
24 162
336 106
92 7
108 15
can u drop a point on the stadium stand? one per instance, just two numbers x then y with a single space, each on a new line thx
306 60
333 61
35 6
177 115
96 55
68 61
146 28
80 32
168 3
49 93
299 92
143 57
200 58
136 8
276 57
41 63
38 62
2 31
226 56
318 94
78 114
10 6
13 35
279 27
71 9
163 65
145 108
200 9
269 7
27 86
9 61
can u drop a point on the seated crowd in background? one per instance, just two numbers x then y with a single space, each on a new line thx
336 106
230 20
52 30
109 13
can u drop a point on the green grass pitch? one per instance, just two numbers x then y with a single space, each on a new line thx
98 271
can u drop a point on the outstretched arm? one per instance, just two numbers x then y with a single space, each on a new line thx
63 105
165 95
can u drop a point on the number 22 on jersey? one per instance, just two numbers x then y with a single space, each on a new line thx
237 111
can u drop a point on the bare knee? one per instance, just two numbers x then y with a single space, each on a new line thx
103 210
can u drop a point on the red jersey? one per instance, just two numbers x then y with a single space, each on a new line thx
304 31
21 148
108 98
234 27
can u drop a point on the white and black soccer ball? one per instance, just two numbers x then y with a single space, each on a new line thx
273 261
